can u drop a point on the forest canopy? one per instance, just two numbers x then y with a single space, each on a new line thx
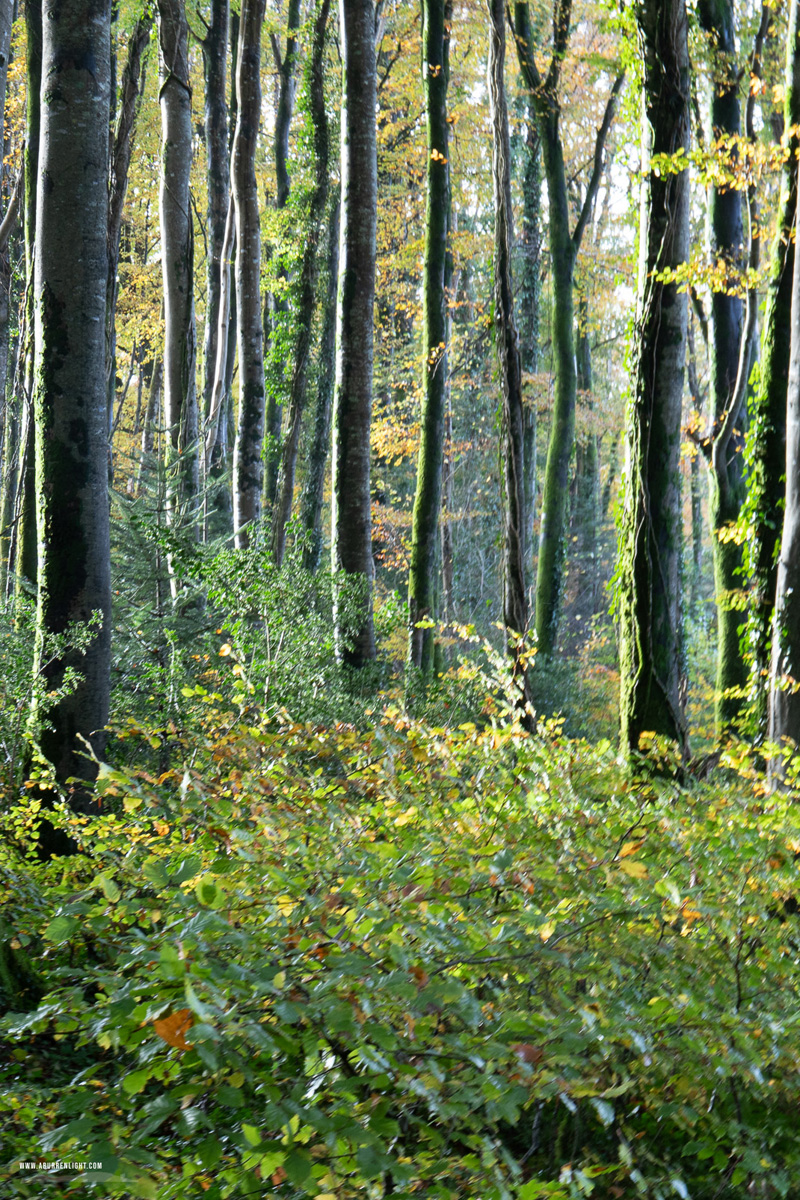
400 609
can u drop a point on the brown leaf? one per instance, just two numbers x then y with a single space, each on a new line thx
172 1029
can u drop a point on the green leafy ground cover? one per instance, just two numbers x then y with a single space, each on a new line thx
407 961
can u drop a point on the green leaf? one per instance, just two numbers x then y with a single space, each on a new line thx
206 890
154 870
61 929
252 1134
135 1082
109 888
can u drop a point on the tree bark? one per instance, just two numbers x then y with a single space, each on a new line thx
422 575
131 93
767 434
650 539
247 465
515 600
70 274
307 288
277 308
351 520
177 257
564 247
215 58
528 309
784 722
314 486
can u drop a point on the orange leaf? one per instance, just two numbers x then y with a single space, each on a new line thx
630 848
172 1029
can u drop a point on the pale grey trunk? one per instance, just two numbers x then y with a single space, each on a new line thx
247 465
351 522
177 260
70 274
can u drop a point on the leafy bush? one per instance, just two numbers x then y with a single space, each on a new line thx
411 961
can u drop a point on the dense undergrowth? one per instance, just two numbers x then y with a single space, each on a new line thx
398 959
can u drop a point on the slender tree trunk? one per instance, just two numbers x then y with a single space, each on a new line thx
177 256
314 486
515 600
588 497
768 408
131 93
25 553
727 312
70 273
247 465
530 250
422 576
277 308
151 416
215 59
695 481
650 540
784 722
351 520
564 247
307 289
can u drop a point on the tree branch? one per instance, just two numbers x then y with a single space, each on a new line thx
597 170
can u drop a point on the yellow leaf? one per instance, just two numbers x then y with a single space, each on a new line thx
225 650
630 848
637 870
546 931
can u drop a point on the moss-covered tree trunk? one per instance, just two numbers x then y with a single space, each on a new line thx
422 575
564 247
314 483
650 540
351 521
307 284
529 251
587 476
247 464
767 434
515 599
177 263
70 276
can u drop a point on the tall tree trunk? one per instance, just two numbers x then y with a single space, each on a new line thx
25 554
177 258
215 59
422 575
307 289
784 722
588 478
70 274
314 486
277 308
247 465
768 407
564 247
530 251
727 312
650 540
515 600
695 482
351 519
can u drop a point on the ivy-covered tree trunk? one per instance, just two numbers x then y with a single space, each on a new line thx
277 309
307 288
727 313
247 464
784 722
422 575
587 477
177 263
564 247
515 600
70 276
215 64
767 433
314 484
650 540
351 520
